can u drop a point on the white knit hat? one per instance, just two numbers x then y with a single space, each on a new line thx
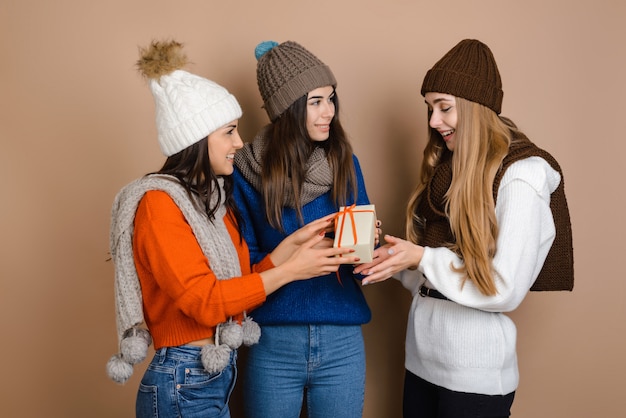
188 107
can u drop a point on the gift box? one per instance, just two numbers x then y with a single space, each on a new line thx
355 227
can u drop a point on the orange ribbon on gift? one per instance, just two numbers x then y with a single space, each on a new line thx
348 210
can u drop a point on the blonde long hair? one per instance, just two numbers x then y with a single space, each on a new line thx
482 141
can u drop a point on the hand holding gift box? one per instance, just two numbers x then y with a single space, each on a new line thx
355 227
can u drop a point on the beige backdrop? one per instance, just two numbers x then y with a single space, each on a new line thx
77 123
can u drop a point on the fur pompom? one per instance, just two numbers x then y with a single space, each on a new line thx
134 345
251 331
118 369
264 47
161 58
231 334
215 357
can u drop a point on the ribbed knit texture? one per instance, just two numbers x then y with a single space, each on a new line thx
318 180
287 72
469 71
322 300
184 300
558 269
189 108
468 344
213 238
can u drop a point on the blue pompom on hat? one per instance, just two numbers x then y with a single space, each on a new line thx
263 47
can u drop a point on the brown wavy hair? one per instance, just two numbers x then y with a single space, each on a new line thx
192 169
482 141
287 153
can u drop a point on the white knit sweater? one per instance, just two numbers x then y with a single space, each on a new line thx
468 344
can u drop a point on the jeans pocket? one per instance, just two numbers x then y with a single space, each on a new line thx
146 405
204 394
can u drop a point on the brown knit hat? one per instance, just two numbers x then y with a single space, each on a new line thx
469 71
285 72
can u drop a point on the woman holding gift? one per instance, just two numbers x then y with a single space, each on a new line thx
298 168
180 263
487 221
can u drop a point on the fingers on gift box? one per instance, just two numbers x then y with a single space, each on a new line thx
355 227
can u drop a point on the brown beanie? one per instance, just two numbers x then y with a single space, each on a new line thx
469 71
285 72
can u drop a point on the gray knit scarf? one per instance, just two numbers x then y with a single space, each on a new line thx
213 238
318 179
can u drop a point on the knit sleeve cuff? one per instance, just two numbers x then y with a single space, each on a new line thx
263 265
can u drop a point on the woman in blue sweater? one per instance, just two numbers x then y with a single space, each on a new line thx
299 168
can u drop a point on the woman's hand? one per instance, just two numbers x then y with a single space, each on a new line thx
379 231
290 244
396 255
307 261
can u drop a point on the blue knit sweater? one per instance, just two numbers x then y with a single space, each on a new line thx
321 300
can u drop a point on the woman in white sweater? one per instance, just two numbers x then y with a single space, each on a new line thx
479 228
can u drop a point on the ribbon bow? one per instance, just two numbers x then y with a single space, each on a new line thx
348 210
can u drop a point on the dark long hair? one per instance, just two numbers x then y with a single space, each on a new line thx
192 168
287 153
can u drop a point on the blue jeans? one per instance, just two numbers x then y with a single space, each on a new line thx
325 362
176 385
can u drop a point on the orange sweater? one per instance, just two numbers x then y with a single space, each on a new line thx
183 300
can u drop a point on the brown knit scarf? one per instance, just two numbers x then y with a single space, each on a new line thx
318 179
558 269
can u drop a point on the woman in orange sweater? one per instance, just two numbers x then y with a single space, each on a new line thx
181 265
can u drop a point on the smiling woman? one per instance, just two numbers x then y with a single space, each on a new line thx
223 143
300 167
487 222
181 266
320 111
442 116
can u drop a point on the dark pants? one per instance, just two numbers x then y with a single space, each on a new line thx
425 400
